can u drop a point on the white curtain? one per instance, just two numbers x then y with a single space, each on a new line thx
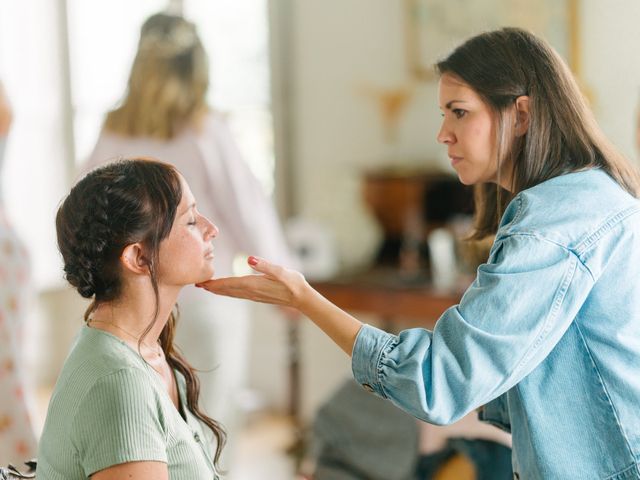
37 153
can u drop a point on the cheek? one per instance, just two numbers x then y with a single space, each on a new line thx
483 138
481 131
173 254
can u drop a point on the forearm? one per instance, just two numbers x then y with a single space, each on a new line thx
341 327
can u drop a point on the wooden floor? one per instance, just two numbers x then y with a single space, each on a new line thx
261 453
458 468
261 449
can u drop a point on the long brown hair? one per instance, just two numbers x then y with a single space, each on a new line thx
121 203
562 136
168 82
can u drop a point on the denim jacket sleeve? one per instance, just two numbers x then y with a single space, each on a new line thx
508 321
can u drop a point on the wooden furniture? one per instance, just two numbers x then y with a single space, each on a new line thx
388 294
408 203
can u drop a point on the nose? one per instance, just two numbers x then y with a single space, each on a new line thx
210 230
445 135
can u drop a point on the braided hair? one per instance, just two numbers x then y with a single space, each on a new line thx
124 202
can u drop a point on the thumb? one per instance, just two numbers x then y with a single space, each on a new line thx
263 266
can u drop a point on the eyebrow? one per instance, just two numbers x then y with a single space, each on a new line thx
451 102
188 208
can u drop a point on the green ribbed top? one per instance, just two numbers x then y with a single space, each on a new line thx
109 407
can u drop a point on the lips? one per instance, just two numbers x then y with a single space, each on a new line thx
455 159
208 254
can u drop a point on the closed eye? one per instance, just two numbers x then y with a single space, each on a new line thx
459 113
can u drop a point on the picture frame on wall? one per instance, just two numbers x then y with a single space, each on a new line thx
434 27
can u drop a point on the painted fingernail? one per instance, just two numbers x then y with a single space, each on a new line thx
252 261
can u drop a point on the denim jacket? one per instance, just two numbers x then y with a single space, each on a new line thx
546 340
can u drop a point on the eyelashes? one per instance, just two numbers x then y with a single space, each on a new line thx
459 113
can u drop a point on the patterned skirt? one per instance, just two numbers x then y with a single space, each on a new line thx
17 440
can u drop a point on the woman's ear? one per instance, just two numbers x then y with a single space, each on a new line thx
134 260
522 115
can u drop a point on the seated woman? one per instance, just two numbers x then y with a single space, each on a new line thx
126 402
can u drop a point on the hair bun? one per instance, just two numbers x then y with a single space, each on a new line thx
86 291
82 279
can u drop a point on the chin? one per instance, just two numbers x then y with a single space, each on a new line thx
466 180
206 275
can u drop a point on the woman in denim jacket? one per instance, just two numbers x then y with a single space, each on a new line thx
546 341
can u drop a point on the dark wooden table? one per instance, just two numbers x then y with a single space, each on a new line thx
390 297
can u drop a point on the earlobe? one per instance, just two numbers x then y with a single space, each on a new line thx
134 260
522 115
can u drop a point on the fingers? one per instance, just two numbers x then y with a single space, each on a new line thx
271 284
247 286
259 288
221 285
263 266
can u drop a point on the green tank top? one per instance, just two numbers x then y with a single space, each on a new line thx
109 407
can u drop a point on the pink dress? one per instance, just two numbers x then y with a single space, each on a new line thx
17 440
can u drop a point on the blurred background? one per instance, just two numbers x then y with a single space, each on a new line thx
321 97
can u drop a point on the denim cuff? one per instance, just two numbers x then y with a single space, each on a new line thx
367 353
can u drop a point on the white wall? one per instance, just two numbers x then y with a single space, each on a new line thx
611 59
341 50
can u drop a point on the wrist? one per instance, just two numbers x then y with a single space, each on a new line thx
306 297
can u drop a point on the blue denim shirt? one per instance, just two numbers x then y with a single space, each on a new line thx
547 338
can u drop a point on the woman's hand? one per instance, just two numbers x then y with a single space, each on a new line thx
280 286
275 284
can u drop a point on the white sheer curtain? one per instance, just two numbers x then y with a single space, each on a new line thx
235 34
34 177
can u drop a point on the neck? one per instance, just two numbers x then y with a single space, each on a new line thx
130 315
